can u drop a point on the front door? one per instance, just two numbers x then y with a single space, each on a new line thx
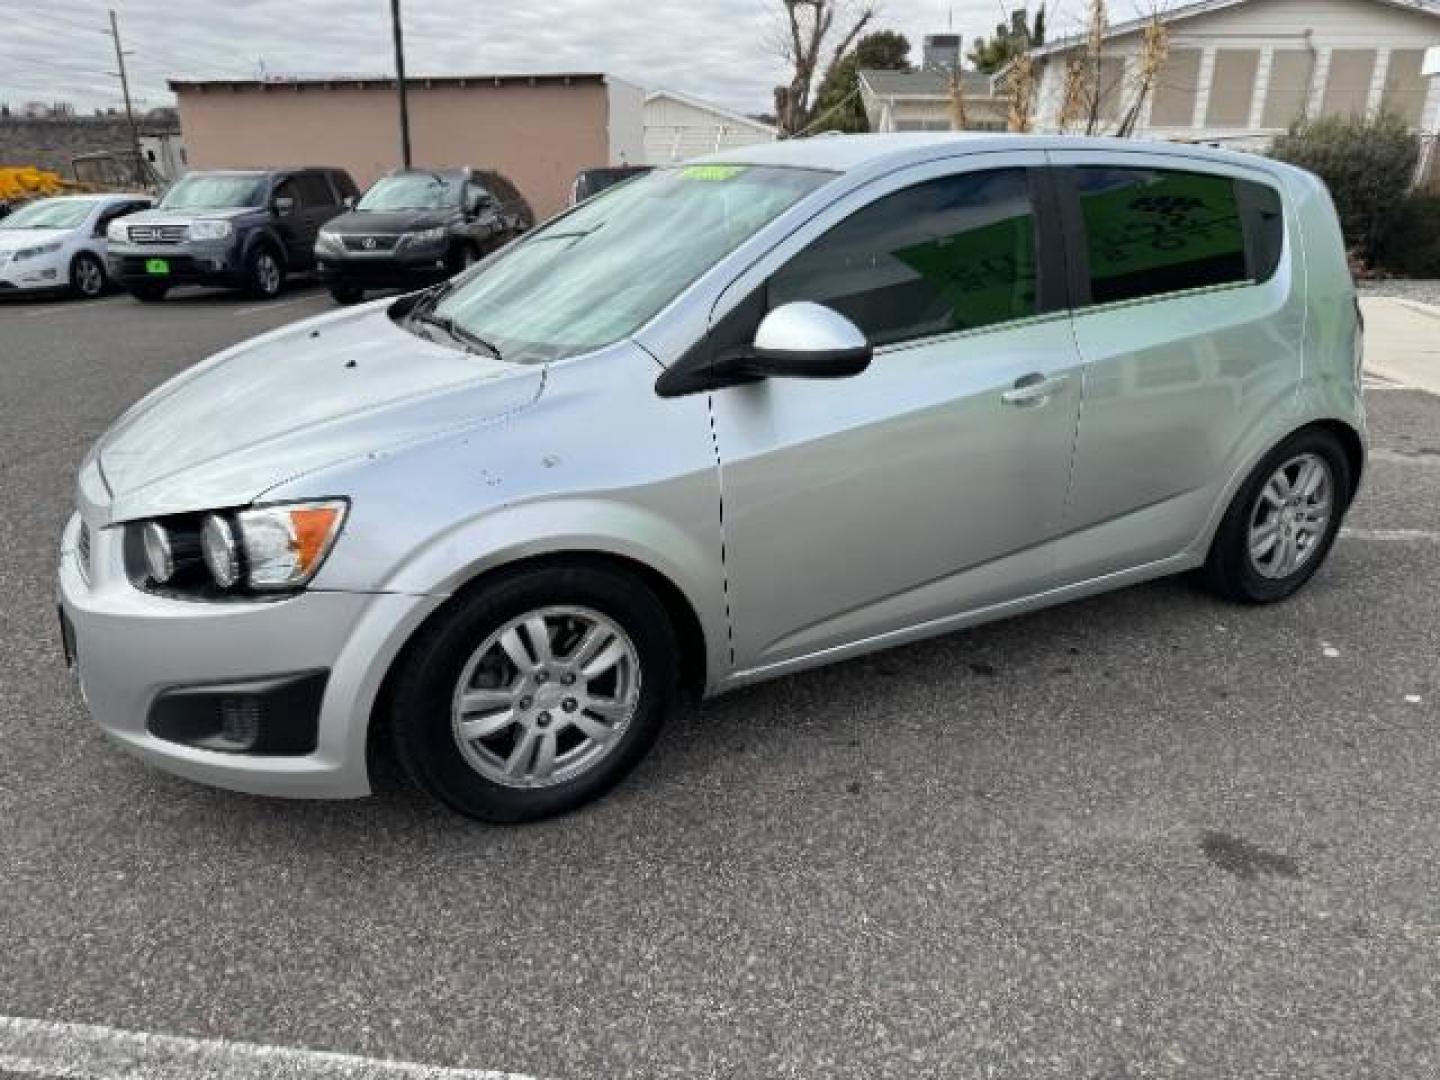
933 483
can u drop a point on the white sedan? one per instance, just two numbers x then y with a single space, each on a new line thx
59 243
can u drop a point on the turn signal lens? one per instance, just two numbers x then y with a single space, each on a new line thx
285 545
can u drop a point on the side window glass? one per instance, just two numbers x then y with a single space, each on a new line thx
955 253
1264 222
1155 231
313 191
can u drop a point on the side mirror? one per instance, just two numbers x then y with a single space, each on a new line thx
349 202
802 340
475 203
284 205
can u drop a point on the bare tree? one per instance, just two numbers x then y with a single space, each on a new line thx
806 26
1020 92
959 119
1154 47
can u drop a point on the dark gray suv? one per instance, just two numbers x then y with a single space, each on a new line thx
235 228
419 226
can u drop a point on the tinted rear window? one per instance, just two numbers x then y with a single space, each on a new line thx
1154 231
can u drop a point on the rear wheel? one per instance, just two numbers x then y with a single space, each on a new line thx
264 274
346 294
1283 520
149 293
87 276
536 693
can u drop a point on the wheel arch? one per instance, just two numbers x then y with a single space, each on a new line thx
689 628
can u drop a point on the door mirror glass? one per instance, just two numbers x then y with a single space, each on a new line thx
475 201
349 202
284 205
803 340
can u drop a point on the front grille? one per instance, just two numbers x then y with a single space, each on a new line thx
370 243
82 551
159 234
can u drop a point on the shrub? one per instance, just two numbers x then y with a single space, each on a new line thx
1411 245
1366 164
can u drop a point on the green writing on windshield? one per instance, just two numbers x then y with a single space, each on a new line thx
711 172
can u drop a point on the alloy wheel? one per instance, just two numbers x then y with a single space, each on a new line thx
546 697
89 278
1291 515
267 273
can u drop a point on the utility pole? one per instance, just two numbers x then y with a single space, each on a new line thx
125 90
400 82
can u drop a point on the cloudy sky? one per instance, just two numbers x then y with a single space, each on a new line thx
719 49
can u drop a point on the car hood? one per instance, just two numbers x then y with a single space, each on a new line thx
182 216
15 239
313 394
366 222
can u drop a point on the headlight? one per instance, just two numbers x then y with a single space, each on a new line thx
285 545
265 548
206 229
426 237
329 241
36 252
116 232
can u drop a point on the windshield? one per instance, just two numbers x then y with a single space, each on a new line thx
50 214
598 273
197 192
411 192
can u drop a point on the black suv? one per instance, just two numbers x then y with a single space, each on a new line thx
234 228
419 226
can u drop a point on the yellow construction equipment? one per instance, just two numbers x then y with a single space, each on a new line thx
27 182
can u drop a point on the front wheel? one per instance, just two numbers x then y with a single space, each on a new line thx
535 693
1282 522
264 275
87 276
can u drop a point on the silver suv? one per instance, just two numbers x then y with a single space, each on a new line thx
730 420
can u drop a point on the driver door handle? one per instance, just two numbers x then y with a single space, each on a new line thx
1033 390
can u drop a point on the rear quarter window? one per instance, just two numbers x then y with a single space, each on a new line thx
1149 232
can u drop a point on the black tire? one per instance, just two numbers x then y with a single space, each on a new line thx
264 273
150 294
1229 570
346 294
87 276
420 715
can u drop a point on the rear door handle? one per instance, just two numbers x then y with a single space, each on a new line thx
1033 389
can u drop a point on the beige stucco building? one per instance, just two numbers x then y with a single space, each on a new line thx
1241 71
539 130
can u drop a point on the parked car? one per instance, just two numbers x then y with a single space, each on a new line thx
58 244
235 228
417 227
590 182
938 380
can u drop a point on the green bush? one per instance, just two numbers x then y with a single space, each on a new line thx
1411 245
1366 164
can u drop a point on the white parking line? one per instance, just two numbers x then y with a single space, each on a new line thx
271 305
46 1050
63 307
1424 536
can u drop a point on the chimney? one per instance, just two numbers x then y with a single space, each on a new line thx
942 52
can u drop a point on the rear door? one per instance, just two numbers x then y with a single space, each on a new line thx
933 483
1190 326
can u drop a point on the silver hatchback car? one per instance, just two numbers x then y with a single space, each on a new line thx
729 420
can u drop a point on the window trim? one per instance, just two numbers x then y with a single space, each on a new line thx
1075 241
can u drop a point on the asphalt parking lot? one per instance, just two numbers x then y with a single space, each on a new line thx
1145 835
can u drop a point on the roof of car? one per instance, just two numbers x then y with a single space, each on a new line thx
848 153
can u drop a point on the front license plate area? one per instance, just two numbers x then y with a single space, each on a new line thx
158 267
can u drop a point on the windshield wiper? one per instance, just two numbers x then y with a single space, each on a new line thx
455 331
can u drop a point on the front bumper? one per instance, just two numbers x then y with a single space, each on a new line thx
194 263
41 272
131 647
382 272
